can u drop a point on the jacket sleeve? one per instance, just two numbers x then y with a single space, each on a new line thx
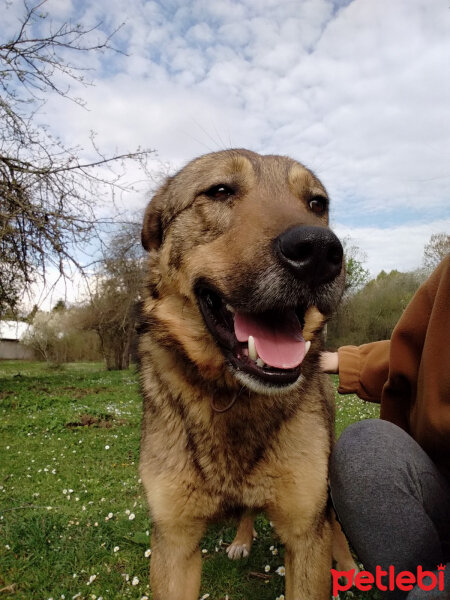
419 359
390 371
363 370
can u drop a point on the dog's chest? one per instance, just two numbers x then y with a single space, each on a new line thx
227 452
226 475
227 455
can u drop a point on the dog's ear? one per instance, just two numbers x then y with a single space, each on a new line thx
152 229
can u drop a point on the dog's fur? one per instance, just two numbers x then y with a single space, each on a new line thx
269 448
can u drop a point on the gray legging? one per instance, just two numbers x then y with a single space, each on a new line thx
392 502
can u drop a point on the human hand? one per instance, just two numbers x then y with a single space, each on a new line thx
329 362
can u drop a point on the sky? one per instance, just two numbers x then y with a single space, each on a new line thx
357 90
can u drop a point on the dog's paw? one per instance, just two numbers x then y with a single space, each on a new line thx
347 567
236 551
347 564
242 543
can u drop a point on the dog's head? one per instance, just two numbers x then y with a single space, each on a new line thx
244 270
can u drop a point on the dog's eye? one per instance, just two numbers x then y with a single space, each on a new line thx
219 192
318 205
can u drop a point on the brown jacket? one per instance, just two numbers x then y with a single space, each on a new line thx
410 373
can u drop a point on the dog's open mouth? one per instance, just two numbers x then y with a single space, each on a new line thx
268 346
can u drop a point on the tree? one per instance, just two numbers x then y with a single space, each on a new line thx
47 189
372 313
43 336
111 310
55 338
356 275
30 316
436 250
60 306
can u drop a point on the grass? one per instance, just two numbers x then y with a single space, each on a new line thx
73 518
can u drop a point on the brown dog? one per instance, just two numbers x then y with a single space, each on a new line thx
243 272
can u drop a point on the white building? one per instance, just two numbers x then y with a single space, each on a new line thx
11 347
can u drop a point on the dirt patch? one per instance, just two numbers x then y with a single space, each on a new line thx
105 421
77 392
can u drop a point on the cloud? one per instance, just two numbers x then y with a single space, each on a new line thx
395 248
356 90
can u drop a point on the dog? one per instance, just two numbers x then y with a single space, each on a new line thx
243 274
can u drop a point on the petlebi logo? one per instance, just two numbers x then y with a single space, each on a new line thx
388 580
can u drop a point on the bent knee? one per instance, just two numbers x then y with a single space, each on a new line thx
368 447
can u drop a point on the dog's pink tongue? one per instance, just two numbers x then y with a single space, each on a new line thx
278 338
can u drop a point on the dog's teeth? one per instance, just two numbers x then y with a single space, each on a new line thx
260 362
307 347
252 348
230 308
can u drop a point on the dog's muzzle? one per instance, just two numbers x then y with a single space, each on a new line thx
267 342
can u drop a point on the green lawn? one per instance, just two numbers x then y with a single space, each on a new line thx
73 519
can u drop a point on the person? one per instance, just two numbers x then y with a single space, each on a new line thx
390 477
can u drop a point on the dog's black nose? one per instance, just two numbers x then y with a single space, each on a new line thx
314 254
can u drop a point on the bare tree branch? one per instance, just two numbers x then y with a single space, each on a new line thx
49 193
111 309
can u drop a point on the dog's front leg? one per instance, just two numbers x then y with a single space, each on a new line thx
176 565
240 546
307 557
